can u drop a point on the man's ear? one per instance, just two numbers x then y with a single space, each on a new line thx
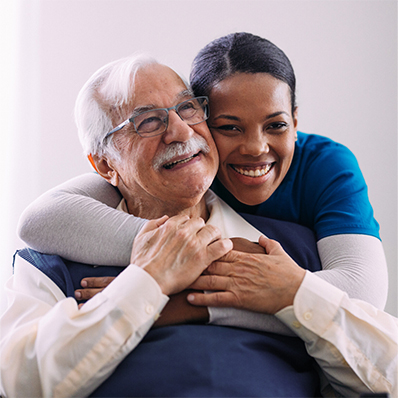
105 169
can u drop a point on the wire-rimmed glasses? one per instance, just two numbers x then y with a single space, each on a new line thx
155 121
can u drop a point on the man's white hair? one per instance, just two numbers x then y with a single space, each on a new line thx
105 93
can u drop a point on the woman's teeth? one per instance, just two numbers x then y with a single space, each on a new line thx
253 173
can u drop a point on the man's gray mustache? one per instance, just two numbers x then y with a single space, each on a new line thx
194 145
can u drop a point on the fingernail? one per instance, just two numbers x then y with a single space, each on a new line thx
191 297
78 295
84 283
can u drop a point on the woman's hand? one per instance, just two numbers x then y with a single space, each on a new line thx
262 282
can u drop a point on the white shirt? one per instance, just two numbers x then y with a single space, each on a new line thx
42 328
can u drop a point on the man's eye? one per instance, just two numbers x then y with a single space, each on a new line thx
149 124
150 120
186 105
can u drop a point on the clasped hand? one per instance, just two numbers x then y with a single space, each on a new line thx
179 252
257 277
174 251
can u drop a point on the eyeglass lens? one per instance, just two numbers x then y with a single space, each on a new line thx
154 122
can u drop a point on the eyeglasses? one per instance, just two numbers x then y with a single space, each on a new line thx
154 122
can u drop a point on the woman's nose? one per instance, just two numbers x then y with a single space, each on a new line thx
254 143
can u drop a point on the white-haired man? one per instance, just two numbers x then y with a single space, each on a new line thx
50 347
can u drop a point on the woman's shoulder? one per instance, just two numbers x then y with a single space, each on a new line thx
315 142
313 149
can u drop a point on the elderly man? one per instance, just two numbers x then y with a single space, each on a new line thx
51 348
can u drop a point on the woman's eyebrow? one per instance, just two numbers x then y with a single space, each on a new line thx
235 118
276 114
229 117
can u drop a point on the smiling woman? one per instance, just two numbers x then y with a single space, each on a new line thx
255 132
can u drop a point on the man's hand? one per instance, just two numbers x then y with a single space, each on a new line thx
254 281
176 250
179 311
91 286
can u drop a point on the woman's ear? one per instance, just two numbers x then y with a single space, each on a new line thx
295 115
105 169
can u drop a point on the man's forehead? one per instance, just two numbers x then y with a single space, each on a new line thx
138 107
158 86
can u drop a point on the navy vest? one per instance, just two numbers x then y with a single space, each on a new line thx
206 360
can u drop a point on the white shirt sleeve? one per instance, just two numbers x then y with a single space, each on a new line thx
354 343
49 347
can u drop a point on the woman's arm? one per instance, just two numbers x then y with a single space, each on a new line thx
78 221
69 220
355 264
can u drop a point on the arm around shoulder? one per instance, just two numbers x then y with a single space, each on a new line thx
78 221
355 264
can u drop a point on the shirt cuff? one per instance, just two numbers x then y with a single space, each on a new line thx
137 294
314 307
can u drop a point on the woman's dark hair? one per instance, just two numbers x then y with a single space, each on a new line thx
240 53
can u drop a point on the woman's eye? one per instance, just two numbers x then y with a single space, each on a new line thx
278 127
226 129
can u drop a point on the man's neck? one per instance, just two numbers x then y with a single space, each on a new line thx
160 209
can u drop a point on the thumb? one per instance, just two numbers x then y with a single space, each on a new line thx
154 224
269 245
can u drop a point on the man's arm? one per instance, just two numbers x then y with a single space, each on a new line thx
49 347
355 343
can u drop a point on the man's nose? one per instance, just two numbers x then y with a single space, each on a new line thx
177 129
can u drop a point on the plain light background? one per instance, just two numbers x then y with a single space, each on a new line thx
344 54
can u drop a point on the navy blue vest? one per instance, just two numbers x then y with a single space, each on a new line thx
205 360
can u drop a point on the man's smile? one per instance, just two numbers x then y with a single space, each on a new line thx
172 164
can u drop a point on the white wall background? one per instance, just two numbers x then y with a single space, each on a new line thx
344 54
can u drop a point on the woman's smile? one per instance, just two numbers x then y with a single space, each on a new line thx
252 124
